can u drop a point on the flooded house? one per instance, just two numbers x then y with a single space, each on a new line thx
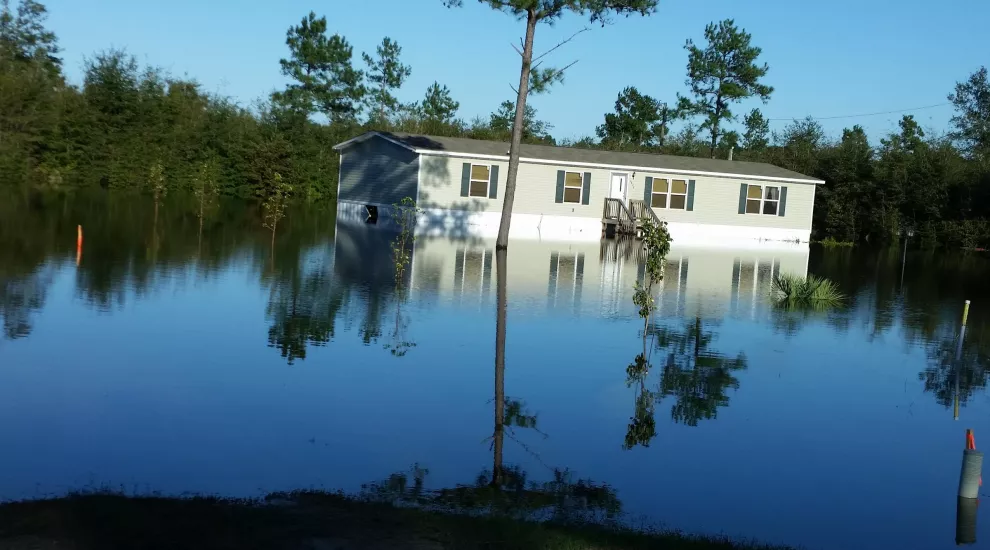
568 193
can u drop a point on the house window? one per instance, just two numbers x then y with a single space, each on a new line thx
764 199
573 183
670 194
480 177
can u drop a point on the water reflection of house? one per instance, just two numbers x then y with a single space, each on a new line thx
566 280
751 279
592 278
473 271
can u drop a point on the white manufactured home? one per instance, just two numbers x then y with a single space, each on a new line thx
565 193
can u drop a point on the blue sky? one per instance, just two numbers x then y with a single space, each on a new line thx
826 58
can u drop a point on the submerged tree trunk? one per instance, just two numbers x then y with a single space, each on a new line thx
517 131
500 267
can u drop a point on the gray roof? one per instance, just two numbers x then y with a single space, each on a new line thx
597 157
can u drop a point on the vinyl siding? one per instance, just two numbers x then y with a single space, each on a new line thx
377 171
716 200
440 185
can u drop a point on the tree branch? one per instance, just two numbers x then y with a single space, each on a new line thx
561 43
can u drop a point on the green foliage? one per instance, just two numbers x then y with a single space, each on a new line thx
24 38
656 241
438 107
812 291
541 79
125 119
385 74
971 100
325 79
156 181
720 74
205 185
406 214
501 123
757 135
274 205
598 11
639 121
829 242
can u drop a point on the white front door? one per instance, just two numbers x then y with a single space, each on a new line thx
619 187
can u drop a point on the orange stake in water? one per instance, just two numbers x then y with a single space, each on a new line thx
79 242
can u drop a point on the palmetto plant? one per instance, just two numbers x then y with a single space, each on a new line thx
813 291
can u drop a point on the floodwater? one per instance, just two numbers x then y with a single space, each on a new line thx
165 358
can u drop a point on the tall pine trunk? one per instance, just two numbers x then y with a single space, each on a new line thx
715 121
517 131
501 298
714 136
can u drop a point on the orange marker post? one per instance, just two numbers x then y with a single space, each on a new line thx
79 243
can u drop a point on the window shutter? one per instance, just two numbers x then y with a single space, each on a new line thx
690 197
742 198
586 192
648 190
493 183
560 187
783 201
465 178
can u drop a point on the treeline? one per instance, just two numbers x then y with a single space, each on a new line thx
937 186
131 127
128 127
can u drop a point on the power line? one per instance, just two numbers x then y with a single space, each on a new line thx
867 114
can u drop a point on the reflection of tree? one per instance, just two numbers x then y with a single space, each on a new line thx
399 345
947 377
505 490
302 309
20 298
500 310
696 376
509 412
643 425
559 499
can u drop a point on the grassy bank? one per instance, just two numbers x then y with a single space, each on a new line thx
318 521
